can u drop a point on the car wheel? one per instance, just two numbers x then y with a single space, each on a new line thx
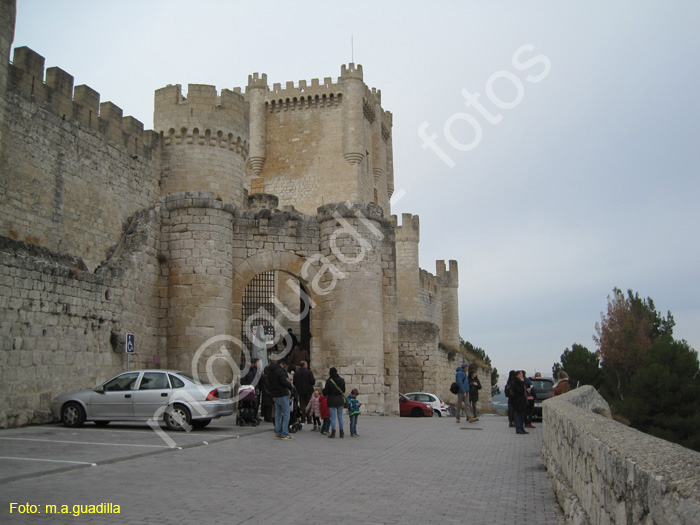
101 423
200 423
437 412
73 415
417 412
176 415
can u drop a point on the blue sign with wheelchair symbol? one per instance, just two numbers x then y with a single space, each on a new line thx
130 346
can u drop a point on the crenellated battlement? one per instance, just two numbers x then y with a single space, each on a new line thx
80 104
409 230
203 118
449 278
316 93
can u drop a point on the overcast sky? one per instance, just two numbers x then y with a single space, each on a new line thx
574 170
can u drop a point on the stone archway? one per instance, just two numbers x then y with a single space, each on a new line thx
298 270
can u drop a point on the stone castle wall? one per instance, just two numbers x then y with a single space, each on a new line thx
108 229
60 157
62 327
605 472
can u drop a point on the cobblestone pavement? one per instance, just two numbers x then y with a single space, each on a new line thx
400 470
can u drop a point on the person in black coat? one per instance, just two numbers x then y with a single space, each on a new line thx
474 387
334 389
280 387
304 382
518 397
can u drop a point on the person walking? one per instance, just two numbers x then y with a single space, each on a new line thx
280 387
335 390
304 381
463 393
474 387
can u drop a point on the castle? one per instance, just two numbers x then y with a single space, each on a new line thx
264 206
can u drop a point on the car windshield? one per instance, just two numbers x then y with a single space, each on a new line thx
542 385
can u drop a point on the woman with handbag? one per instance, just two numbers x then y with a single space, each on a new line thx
335 390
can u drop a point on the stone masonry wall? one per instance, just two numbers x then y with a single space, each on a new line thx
605 472
69 181
62 327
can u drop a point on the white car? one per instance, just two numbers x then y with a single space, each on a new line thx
439 407
173 397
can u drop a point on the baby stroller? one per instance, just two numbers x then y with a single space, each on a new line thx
296 413
247 406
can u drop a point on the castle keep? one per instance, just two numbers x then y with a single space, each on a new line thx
239 202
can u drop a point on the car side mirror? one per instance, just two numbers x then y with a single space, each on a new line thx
100 389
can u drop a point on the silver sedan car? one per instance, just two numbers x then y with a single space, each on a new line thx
176 398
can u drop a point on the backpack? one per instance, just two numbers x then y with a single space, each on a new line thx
454 388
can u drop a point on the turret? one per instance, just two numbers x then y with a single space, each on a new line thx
353 88
256 92
407 269
449 281
203 134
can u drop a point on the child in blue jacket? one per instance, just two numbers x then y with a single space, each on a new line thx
353 411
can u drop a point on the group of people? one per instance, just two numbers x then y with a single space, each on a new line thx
520 392
321 407
468 393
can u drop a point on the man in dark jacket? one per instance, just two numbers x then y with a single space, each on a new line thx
253 375
463 393
304 382
280 387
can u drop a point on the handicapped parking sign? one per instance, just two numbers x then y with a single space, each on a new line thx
130 345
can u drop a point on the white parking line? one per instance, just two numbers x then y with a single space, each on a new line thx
135 431
51 460
85 442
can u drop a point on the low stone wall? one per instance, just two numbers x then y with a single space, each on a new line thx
605 472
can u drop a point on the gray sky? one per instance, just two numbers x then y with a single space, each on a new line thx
584 175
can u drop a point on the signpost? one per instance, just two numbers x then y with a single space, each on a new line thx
129 347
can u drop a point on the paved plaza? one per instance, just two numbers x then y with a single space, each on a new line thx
400 470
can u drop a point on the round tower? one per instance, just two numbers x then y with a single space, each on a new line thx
197 232
407 267
353 115
449 280
205 140
355 247
256 92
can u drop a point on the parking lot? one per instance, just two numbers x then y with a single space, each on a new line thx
36 450
401 470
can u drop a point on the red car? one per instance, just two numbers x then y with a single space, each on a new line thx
411 408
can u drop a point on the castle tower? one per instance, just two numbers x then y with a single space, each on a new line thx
256 93
407 269
357 242
449 280
197 232
205 140
8 12
353 118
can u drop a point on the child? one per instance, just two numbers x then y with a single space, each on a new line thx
314 409
325 414
353 411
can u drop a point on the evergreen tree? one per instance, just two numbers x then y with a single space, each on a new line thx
582 366
664 393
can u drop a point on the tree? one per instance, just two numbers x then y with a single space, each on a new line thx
663 394
624 335
479 353
582 366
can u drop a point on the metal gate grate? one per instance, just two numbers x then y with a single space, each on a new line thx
259 293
